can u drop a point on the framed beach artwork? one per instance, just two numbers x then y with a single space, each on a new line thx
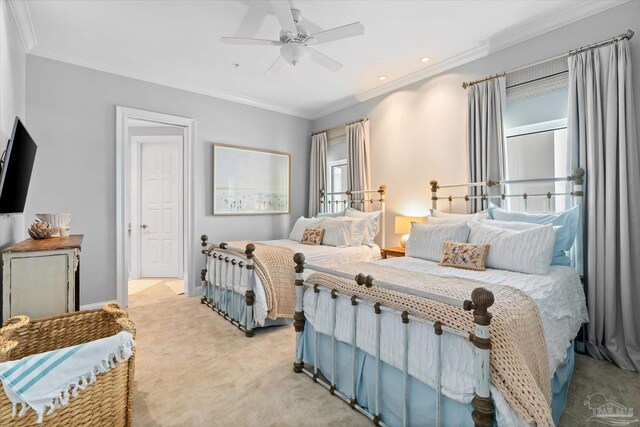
249 181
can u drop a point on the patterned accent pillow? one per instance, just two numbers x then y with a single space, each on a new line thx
465 255
312 236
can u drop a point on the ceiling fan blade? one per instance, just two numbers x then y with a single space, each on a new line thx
338 33
277 66
253 42
324 60
308 24
256 13
282 9
311 26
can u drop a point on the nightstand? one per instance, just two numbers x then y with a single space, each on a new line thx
396 251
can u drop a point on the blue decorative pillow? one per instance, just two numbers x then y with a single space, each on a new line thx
565 236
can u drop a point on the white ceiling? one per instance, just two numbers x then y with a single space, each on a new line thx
177 43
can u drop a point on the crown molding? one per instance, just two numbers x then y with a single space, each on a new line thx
498 42
435 69
22 17
164 81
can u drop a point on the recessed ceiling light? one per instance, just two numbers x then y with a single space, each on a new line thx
424 59
382 78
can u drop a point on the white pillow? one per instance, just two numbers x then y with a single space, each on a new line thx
427 241
517 226
373 219
452 217
302 224
358 230
526 251
509 225
440 220
337 232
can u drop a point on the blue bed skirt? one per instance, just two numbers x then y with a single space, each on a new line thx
421 396
235 306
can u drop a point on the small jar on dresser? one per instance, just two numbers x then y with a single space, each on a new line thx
41 278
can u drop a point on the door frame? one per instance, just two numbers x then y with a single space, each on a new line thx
124 115
135 245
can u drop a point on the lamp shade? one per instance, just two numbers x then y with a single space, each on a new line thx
403 223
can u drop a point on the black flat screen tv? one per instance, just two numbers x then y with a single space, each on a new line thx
16 169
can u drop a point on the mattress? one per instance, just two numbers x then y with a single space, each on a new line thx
558 295
323 256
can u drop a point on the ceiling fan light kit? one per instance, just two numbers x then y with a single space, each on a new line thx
294 53
295 41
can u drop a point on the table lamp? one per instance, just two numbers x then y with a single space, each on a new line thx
403 226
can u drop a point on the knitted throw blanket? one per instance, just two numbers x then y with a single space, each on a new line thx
519 361
275 268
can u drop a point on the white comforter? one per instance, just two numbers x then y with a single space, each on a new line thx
322 256
559 296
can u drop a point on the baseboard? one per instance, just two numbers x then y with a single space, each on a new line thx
95 305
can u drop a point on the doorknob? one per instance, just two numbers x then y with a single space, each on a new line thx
145 226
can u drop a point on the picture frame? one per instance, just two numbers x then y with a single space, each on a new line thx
250 181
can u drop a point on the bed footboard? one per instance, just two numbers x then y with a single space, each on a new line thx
481 300
219 282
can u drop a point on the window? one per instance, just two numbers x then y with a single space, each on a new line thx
536 135
337 166
337 179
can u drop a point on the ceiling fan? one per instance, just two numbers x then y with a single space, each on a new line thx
295 41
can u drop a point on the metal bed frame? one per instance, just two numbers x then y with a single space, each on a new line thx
229 262
576 178
480 301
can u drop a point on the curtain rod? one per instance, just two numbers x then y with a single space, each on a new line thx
346 124
627 35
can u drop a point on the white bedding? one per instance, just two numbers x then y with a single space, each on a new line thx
559 296
322 256
329 256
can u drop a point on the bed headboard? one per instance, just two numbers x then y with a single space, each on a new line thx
356 199
498 190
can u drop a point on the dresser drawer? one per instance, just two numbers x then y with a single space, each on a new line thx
40 278
39 285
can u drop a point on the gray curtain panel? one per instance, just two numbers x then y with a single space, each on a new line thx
317 171
603 140
485 136
358 163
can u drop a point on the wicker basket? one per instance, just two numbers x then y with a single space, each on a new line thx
106 402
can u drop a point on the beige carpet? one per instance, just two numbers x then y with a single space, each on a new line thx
194 369
176 285
139 285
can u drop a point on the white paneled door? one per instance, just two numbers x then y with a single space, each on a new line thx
160 209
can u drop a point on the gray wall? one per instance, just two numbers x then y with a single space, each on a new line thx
418 132
72 116
12 94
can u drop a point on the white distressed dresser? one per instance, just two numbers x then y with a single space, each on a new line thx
41 278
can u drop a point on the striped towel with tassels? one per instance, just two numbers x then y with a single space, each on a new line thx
46 381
